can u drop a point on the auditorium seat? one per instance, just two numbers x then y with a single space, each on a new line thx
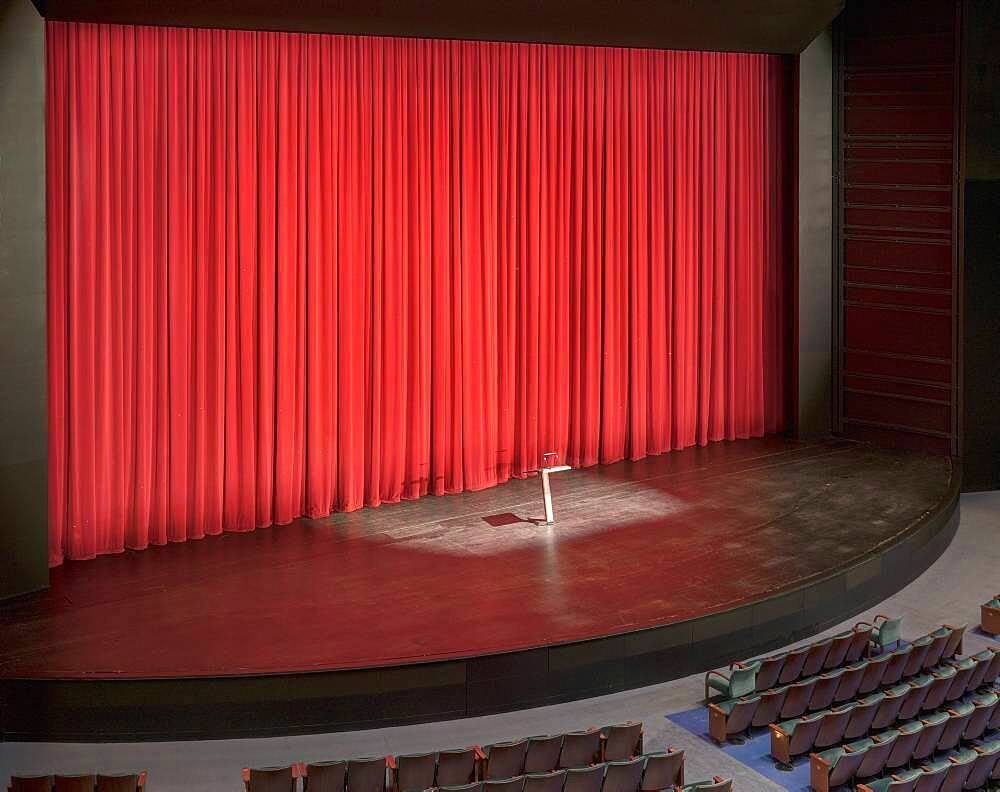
792 668
964 669
621 741
834 726
958 719
797 699
918 653
121 782
981 674
731 717
455 766
963 763
935 652
915 696
273 779
367 774
411 772
794 737
990 616
862 716
769 707
941 681
850 681
515 784
983 707
954 644
624 776
475 786
934 724
767 671
840 644
903 781
324 776
877 753
580 748
825 689
835 767
542 753
987 760
886 630
896 665
873 673
585 779
663 770
74 783
545 782
505 759
717 784
889 707
30 784
905 745
741 681
816 657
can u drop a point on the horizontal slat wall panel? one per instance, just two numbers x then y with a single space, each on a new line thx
900 387
902 195
885 329
924 256
900 278
927 370
885 408
897 168
890 295
898 217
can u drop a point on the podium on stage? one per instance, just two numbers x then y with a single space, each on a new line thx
549 461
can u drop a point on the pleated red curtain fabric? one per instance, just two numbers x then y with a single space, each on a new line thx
290 274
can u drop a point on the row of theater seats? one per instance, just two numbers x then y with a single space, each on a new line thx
782 669
855 719
966 769
648 773
910 742
882 671
841 650
591 760
123 782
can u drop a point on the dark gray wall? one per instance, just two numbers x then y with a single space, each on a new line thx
981 328
815 238
23 395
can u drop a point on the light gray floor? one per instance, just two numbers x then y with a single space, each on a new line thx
967 575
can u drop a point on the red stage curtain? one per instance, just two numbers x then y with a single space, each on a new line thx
290 274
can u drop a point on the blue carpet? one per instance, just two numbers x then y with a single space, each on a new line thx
978 631
754 753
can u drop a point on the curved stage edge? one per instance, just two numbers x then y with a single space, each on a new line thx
215 707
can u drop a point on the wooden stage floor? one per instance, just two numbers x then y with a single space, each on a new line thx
636 545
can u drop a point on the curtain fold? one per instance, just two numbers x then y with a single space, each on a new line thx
292 273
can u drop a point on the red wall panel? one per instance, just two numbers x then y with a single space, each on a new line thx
898 166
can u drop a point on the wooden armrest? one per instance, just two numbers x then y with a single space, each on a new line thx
480 753
391 762
141 783
817 759
863 624
246 774
777 729
303 772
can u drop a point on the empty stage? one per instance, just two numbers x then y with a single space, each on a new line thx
464 604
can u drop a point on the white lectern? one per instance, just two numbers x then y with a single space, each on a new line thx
548 459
